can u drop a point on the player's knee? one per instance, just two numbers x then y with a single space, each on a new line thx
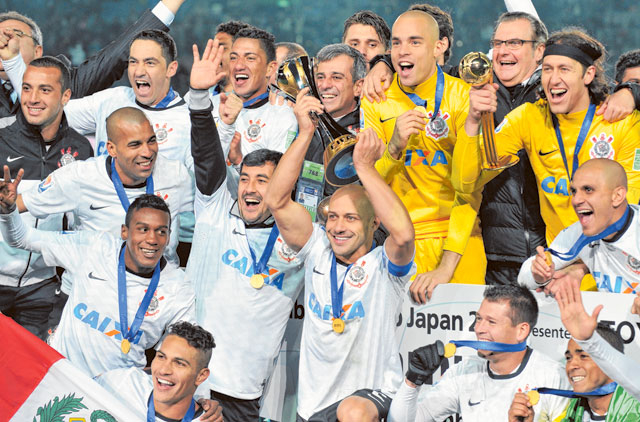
357 409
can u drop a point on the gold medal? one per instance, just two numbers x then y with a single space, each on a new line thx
257 281
338 325
125 346
547 258
534 397
421 109
449 350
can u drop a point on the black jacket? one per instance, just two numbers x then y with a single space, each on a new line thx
510 212
101 70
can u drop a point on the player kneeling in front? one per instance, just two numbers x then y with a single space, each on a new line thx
353 290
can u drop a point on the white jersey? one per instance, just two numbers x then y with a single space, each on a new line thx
366 355
134 386
479 395
89 330
614 264
85 188
248 324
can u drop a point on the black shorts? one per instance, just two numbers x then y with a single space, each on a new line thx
330 413
237 410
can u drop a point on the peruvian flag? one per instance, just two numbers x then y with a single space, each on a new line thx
37 384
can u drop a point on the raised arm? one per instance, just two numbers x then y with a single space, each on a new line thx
400 244
293 220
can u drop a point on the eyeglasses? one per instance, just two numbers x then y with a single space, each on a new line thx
512 44
21 34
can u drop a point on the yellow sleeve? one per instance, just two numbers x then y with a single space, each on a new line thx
371 116
462 220
629 156
389 167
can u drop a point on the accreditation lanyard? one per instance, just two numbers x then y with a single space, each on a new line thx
251 102
418 101
167 99
117 183
130 333
151 411
582 136
601 391
260 266
491 345
585 240
336 293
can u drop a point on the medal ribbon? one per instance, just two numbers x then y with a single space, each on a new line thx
167 99
151 411
582 135
336 293
260 266
585 240
255 100
117 183
415 98
601 391
122 299
491 345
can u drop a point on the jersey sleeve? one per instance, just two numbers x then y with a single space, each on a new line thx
629 156
184 305
437 402
403 406
82 113
55 194
398 274
317 235
288 127
187 190
464 213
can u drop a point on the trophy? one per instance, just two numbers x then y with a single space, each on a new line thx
296 74
476 69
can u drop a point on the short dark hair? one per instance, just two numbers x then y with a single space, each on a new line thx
367 17
267 40
540 33
197 337
578 38
231 27
166 42
331 51
626 61
293 49
146 201
610 336
50 61
36 33
445 23
524 307
260 157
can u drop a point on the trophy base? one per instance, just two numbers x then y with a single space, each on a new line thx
504 162
338 161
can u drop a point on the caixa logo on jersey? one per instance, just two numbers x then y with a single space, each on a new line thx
104 324
243 265
557 186
324 312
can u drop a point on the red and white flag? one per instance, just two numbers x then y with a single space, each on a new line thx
37 384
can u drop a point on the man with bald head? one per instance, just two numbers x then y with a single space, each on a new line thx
606 222
353 287
98 191
419 121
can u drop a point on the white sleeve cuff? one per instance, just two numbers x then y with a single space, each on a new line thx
163 13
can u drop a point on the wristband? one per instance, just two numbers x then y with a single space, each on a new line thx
386 58
635 91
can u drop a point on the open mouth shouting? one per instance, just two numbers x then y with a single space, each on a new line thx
241 79
405 68
143 87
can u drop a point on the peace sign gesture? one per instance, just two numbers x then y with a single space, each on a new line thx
9 190
206 72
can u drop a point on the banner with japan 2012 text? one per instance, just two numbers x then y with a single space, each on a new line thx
38 384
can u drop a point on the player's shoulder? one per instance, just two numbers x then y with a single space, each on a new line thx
456 84
175 168
539 361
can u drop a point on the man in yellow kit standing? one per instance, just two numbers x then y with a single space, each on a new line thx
420 120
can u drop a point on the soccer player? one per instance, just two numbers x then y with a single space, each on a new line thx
224 35
98 72
98 191
550 129
599 199
368 33
29 289
417 162
124 293
481 388
167 389
246 277
353 288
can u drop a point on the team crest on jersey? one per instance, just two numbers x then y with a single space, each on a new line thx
162 133
284 251
633 264
164 196
45 184
154 305
68 157
437 128
602 147
253 131
357 276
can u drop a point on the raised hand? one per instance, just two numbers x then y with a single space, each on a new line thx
411 122
235 150
230 107
541 268
376 82
521 409
368 149
9 190
424 361
206 71
572 313
305 104
9 44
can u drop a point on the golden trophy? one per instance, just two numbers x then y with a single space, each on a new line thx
293 76
476 70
